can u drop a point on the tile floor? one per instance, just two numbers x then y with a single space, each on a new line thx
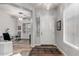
21 46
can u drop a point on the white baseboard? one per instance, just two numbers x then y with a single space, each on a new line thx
10 54
32 46
35 45
62 51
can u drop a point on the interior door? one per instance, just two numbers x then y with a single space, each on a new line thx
26 30
47 30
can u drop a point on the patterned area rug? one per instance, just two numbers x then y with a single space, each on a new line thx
45 50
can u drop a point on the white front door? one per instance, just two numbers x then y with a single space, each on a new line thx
47 30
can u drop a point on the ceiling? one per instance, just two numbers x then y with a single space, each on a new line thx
45 6
15 11
25 9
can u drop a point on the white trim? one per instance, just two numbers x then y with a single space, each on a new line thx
10 54
32 45
35 45
62 51
72 45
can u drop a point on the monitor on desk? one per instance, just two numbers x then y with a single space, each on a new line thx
6 36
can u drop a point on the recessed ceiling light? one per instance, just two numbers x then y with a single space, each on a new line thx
47 5
20 12
20 19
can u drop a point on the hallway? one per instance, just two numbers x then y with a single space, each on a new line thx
52 29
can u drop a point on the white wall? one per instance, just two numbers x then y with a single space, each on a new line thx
34 39
7 22
72 25
69 43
